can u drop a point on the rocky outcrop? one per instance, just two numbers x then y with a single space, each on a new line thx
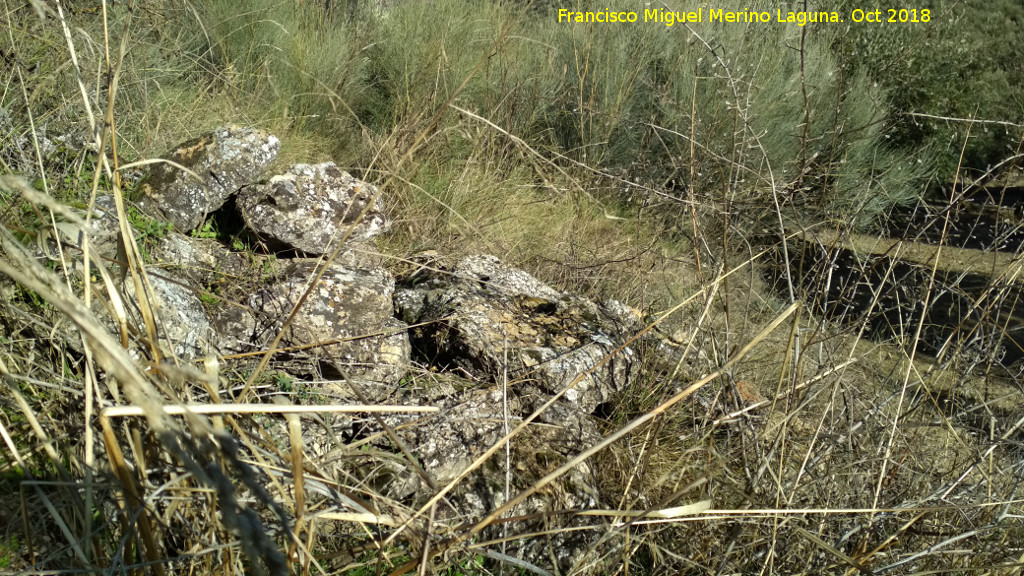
310 206
223 161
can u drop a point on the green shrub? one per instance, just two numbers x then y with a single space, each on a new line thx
372 91
966 63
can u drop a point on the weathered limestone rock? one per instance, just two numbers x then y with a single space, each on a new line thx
471 421
237 329
103 231
502 278
58 146
346 323
207 262
486 308
311 205
226 159
182 320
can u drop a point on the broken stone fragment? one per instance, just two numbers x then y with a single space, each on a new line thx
470 421
225 160
310 206
499 277
183 325
103 231
485 317
346 323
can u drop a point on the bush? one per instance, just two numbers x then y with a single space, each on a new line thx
620 98
966 64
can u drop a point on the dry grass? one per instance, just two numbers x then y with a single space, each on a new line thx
769 435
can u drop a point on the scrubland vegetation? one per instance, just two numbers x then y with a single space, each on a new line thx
669 168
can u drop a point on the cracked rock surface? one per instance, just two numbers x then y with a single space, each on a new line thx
310 206
486 315
346 323
224 161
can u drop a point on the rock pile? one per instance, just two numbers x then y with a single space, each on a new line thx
498 343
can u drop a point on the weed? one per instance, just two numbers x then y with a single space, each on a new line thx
207 230
284 382
209 299
150 230
8 552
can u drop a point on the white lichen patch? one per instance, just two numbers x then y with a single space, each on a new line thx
229 158
312 207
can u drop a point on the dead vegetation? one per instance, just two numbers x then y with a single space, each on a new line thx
767 435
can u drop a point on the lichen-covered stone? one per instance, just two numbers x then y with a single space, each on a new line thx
346 323
237 329
310 206
471 421
500 342
486 316
207 262
225 160
21 151
183 324
103 230
503 279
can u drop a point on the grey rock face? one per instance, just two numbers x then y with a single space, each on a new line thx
472 421
57 147
225 160
346 324
205 261
237 329
105 228
486 311
503 279
205 264
469 423
103 231
347 321
184 326
311 205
